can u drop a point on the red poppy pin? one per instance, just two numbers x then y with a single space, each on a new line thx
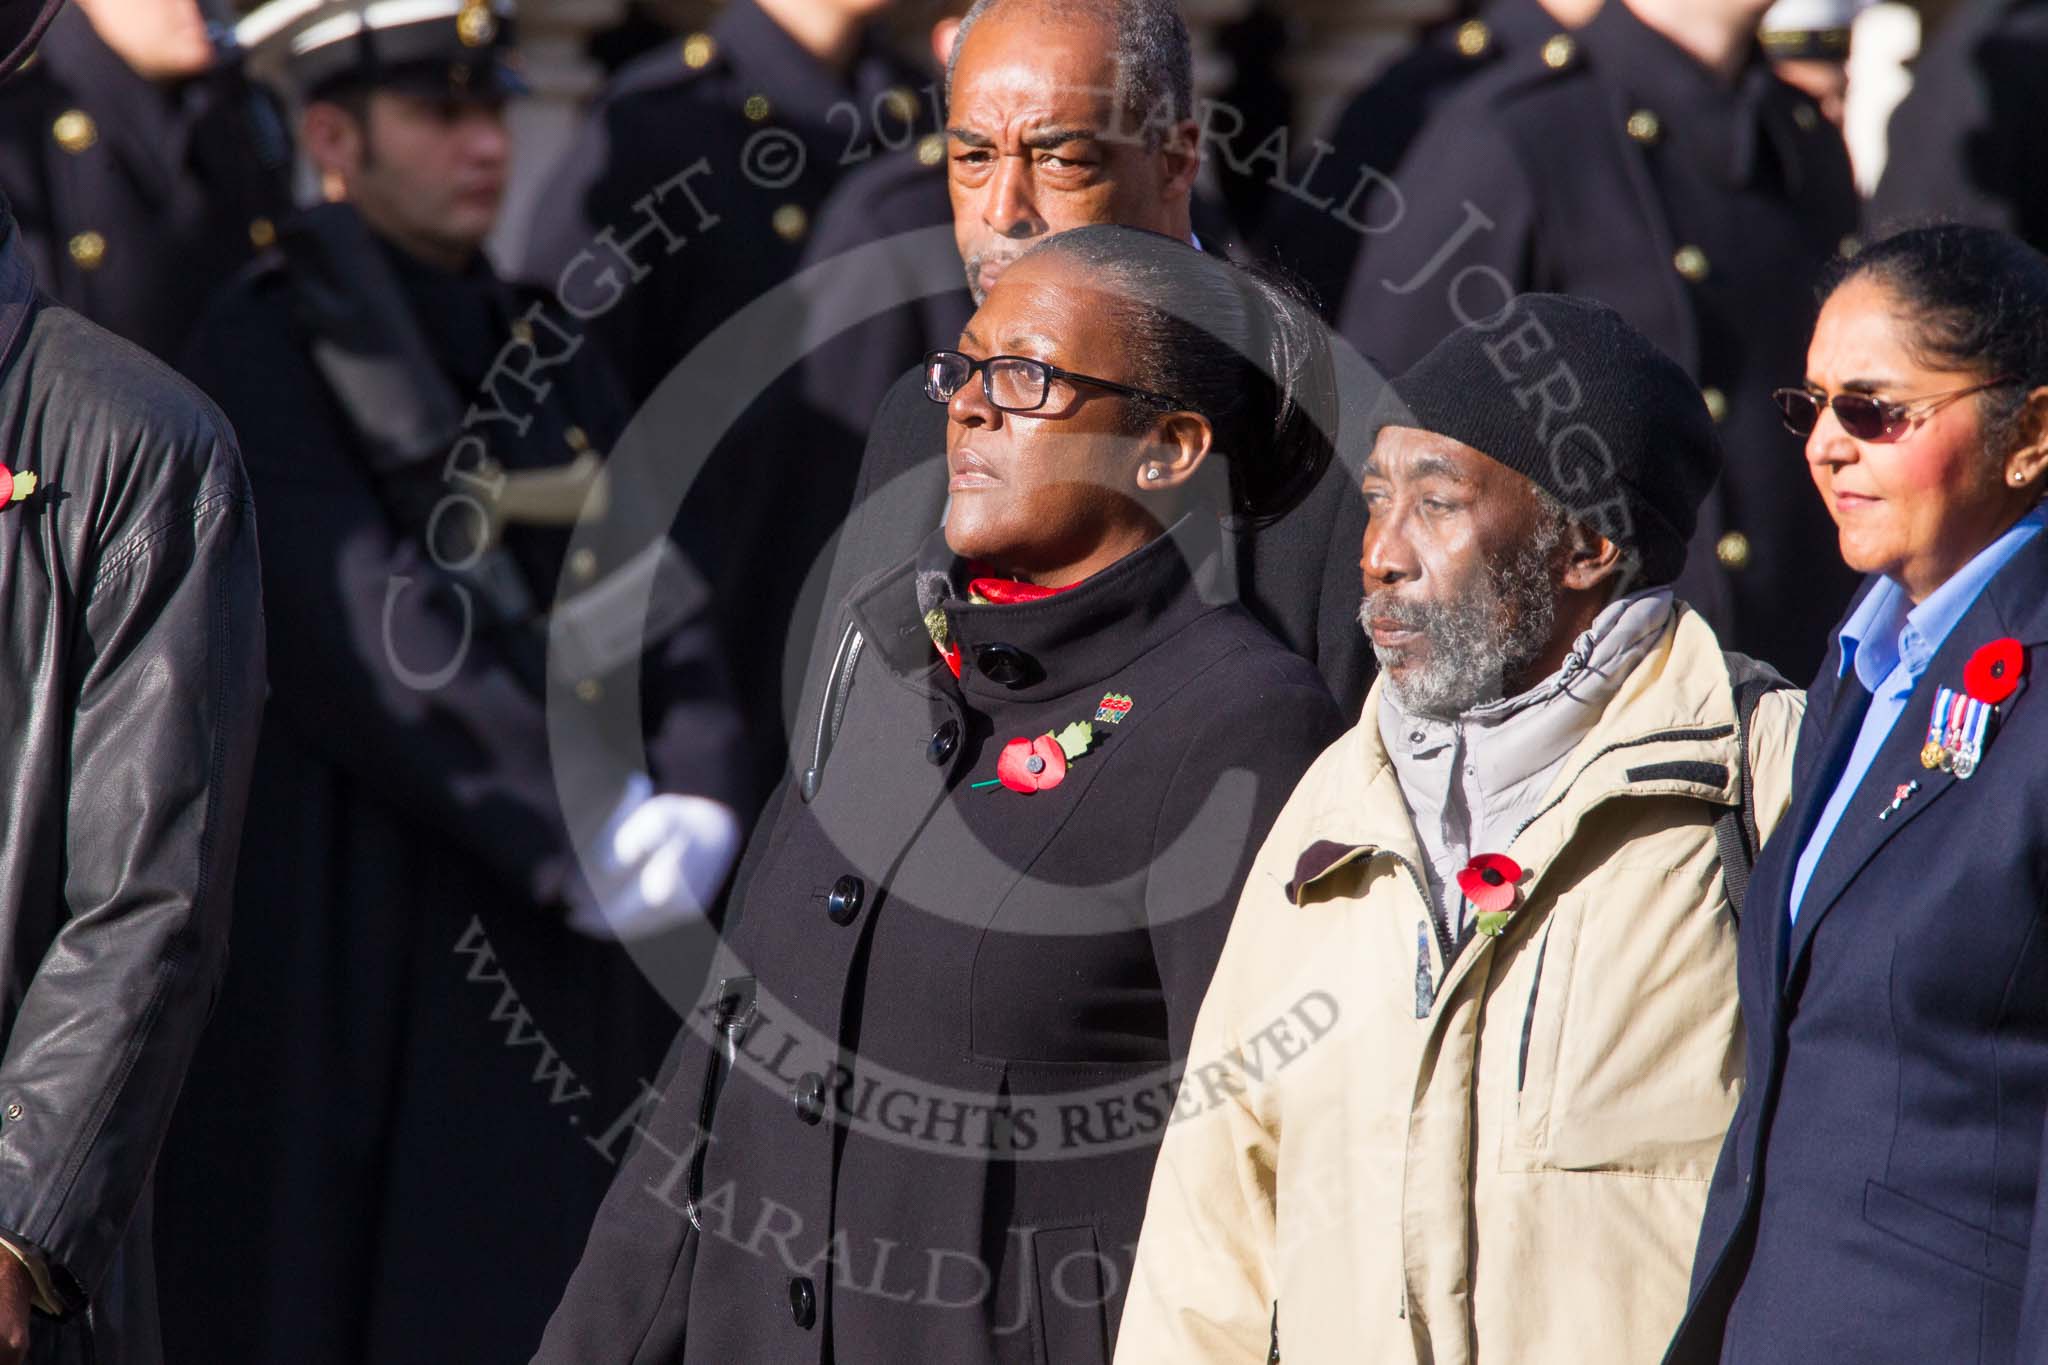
15 486
1040 763
1488 881
1993 672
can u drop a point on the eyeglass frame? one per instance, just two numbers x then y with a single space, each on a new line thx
1052 372
1895 411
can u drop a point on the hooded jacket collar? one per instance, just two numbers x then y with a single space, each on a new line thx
1036 651
1669 729
1469 784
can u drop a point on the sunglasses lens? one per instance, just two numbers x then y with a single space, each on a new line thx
1801 410
1867 419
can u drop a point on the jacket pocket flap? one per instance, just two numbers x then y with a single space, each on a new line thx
1939 1234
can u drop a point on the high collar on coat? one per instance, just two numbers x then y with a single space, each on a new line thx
2015 604
1670 729
1034 651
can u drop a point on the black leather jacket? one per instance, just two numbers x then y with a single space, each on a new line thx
131 684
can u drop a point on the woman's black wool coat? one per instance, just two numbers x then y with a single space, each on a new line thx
916 1115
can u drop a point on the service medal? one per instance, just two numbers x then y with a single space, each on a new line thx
1930 752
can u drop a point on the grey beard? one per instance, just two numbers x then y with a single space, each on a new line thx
1479 641
974 289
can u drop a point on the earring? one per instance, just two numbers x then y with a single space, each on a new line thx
2018 478
1152 471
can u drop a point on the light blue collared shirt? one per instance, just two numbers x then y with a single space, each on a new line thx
1889 643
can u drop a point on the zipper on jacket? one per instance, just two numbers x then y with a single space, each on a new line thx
832 710
1529 1018
1273 1351
732 1014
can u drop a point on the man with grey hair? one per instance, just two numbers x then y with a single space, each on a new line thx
1512 891
1063 113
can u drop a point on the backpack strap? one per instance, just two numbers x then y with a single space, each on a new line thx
1736 830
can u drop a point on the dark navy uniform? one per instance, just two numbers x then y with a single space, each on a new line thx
1969 141
1318 234
137 201
1611 164
692 192
738 134
383 1153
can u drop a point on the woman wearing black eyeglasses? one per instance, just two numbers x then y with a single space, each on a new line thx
915 1118
1877 1196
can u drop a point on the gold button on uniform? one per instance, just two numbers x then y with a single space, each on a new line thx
790 222
1645 127
901 103
1732 551
1691 263
1717 403
262 233
522 331
1474 38
1806 116
578 439
698 49
931 149
75 131
589 690
1849 246
474 24
583 565
1559 51
88 248
757 107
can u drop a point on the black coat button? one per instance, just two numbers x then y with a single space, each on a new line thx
1005 665
844 901
803 1302
945 740
809 1097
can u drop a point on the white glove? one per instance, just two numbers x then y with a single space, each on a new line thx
659 862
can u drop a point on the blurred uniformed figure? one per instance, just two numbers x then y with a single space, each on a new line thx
382 1154
1654 162
693 191
1316 232
701 171
1808 44
1970 140
142 168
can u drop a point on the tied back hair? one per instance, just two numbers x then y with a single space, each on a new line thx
1238 346
1975 300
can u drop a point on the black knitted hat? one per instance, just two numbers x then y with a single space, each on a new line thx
1564 392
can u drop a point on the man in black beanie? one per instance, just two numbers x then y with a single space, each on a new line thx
1509 894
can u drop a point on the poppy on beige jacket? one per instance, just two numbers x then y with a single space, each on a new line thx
1382 1156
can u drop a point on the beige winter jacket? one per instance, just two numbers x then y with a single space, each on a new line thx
1504 1162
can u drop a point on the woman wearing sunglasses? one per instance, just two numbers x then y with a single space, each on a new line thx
916 1117
1876 1198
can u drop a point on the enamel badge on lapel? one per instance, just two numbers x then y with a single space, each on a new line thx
1115 706
1963 723
14 486
1900 796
